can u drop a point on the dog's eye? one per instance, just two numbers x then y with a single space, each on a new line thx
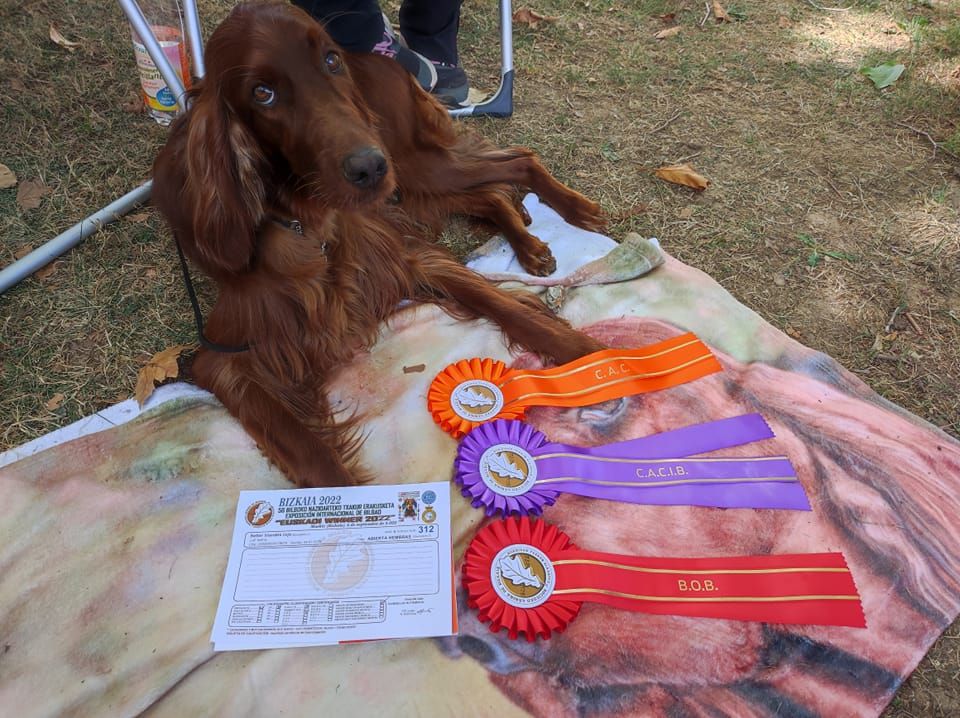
263 95
334 63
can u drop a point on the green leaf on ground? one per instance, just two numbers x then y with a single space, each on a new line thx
609 152
818 252
883 75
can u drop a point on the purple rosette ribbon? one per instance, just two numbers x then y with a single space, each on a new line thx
508 467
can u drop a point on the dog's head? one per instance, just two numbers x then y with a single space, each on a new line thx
278 105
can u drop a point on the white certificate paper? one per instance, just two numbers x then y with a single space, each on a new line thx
313 567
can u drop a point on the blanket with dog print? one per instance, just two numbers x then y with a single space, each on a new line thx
114 545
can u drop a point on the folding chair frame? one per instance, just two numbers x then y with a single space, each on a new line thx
500 104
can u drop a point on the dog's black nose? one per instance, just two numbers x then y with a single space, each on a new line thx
365 168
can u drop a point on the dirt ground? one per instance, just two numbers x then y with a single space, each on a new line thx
833 208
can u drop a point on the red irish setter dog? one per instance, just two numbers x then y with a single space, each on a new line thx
280 184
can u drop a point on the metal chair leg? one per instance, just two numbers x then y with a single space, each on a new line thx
46 253
500 104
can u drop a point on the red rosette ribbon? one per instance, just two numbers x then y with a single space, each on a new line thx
527 577
522 549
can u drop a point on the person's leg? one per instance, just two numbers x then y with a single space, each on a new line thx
355 25
430 28
359 26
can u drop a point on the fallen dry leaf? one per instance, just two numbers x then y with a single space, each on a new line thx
162 366
685 213
719 13
133 104
683 174
29 194
475 96
139 217
532 19
55 401
668 18
22 252
7 177
668 32
783 22
61 40
16 84
46 271
415 369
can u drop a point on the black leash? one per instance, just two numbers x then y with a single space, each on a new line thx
197 314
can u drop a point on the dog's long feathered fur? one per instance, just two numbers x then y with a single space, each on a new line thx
236 170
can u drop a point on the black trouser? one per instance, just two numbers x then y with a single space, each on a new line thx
429 26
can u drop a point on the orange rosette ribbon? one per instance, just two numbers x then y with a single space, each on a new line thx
474 391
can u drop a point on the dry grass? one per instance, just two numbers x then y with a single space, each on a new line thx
806 159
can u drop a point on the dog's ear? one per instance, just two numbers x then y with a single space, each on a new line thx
224 180
433 118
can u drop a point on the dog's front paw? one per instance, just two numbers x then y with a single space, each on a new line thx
536 259
586 214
